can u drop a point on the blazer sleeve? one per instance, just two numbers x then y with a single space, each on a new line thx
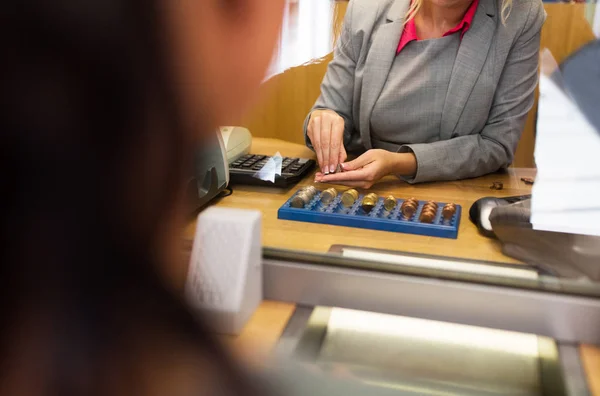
337 88
494 147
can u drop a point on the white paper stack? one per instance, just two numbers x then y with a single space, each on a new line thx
566 194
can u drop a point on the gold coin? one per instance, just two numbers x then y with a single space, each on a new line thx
367 207
349 197
369 201
389 203
328 195
371 197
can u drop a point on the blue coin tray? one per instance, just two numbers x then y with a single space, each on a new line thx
379 218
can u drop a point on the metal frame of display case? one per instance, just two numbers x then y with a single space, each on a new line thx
566 312
543 306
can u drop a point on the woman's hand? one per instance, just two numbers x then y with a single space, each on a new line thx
367 169
326 133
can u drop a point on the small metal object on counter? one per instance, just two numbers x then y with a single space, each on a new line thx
349 197
369 201
412 201
299 201
448 211
427 216
497 186
409 208
310 190
389 203
408 203
303 197
528 180
328 195
431 205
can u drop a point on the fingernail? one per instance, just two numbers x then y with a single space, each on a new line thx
331 169
323 170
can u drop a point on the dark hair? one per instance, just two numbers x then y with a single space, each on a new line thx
92 155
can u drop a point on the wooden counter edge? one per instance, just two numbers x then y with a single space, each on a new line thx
590 357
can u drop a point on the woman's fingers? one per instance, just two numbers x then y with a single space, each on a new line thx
325 142
355 184
326 132
315 137
343 155
336 143
357 175
358 163
362 178
349 183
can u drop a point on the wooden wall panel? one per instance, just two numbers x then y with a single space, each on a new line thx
286 98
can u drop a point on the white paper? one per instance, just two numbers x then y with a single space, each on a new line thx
571 222
559 195
271 169
566 194
567 145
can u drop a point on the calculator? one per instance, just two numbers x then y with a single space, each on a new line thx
242 170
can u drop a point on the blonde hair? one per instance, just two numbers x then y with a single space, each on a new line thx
415 6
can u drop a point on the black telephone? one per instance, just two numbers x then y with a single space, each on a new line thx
210 175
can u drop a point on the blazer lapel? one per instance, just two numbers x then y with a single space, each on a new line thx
378 64
471 57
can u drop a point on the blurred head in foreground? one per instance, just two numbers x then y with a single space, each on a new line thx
103 103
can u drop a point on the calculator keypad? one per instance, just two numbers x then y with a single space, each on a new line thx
242 170
257 162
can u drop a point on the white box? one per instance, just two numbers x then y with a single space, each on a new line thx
224 280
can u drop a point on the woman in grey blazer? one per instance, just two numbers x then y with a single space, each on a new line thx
428 90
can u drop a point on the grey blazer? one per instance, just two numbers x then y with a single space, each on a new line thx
491 89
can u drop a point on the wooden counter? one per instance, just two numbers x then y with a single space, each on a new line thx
319 238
